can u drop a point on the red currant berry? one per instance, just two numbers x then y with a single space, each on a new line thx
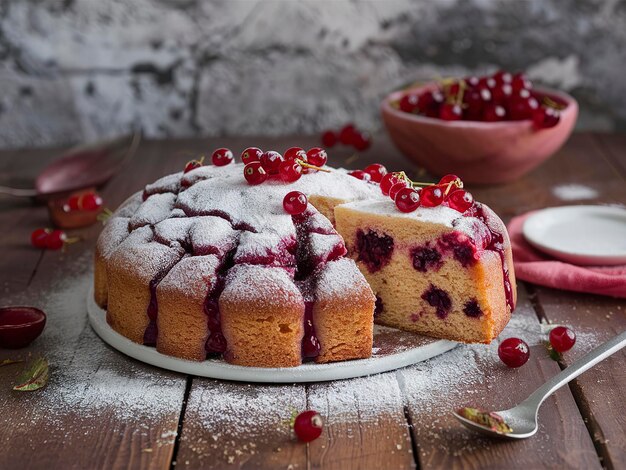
192 165
502 77
295 203
429 102
472 81
514 352
450 112
39 237
361 175
494 113
562 339
376 171
346 134
521 107
270 161
251 154
388 181
90 201
395 189
222 157
448 179
409 103
254 173
521 82
317 156
544 118
308 426
293 153
460 200
361 141
502 93
329 139
407 200
56 239
73 204
431 196
488 82
290 171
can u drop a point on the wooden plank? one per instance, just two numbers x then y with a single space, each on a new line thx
237 425
474 376
613 147
97 399
364 424
598 392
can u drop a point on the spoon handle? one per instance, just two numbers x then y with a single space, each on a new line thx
581 365
4 190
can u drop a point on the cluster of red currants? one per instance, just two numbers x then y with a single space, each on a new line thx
48 239
491 98
289 167
448 191
348 135
83 202
221 157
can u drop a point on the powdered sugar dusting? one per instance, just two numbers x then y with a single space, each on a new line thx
573 192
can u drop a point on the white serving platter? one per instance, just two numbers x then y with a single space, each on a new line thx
584 235
393 349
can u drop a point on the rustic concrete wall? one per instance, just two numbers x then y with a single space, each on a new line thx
82 69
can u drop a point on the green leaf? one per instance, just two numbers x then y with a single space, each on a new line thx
553 353
6 362
34 376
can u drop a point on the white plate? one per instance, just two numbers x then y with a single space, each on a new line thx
585 235
393 349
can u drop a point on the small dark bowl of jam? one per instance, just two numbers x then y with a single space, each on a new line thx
20 326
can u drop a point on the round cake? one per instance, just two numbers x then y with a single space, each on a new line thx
202 263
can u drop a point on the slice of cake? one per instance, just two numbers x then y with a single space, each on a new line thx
434 271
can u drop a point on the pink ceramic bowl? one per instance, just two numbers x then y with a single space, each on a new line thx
479 152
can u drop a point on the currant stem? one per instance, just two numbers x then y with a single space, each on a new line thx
303 164
105 215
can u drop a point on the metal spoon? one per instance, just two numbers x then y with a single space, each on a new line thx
523 418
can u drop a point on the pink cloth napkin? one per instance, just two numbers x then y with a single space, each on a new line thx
538 268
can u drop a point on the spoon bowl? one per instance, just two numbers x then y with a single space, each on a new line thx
522 419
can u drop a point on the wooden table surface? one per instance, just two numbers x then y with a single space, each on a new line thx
104 410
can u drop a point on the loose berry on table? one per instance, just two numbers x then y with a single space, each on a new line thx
514 352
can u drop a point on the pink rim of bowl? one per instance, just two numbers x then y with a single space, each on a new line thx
479 152
20 326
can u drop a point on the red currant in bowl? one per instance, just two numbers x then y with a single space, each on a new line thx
562 338
514 352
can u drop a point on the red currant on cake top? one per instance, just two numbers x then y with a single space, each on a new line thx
562 338
376 171
254 173
193 164
460 200
329 138
407 200
290 171
388 181
295 203
393 191
251 154
317 156
361 175
431 196
222 157
39 236
270 161
308 426
514 352
295 153
449 179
